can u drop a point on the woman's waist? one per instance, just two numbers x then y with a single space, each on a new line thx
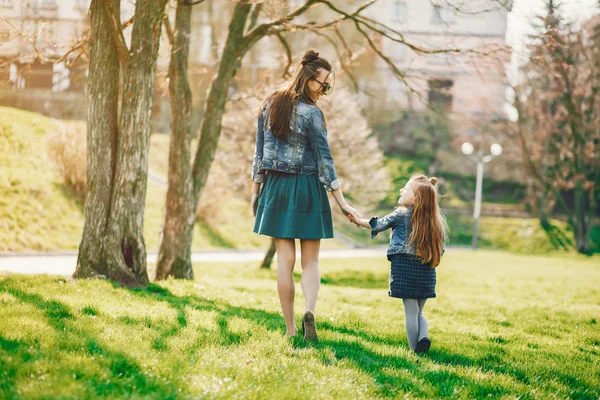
288 167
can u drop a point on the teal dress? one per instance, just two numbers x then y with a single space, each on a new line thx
293 206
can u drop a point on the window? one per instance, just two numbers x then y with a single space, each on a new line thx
398 51
442 15
400 11
442 59
4 35
440 94
82 4
436 17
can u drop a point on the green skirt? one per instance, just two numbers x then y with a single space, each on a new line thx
293 206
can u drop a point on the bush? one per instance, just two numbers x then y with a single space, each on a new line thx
67 148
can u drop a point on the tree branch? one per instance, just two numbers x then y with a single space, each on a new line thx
346 68
169 29
191 2
265 29
127 23
117 32
254 16
80 45
288 53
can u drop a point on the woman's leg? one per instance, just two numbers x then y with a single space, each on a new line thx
311 278
411 311
286 258
423 325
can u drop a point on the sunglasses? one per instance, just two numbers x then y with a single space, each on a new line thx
327 88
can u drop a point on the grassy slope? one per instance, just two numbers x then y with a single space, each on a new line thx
36 212
503 326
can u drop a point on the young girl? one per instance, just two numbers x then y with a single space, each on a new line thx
416 246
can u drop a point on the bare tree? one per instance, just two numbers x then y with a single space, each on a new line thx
118 136
243 34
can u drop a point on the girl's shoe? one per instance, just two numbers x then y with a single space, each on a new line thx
308 327
423 345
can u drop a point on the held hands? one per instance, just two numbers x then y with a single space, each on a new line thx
355 217
350 212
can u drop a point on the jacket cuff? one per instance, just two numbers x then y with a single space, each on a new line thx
259 178
373 224
335 185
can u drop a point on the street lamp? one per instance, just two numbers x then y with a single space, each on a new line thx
467 149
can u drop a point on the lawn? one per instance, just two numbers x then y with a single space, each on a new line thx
503 326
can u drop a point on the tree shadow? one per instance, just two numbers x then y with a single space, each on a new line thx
357 279
393 375
213 236
126 378
71 194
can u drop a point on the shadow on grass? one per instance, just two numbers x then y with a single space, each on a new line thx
357 279
125 377
70 193
392 375
214 238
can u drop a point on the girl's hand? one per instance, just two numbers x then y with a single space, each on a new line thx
363 222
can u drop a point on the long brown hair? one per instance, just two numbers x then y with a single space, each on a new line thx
428 223
282 102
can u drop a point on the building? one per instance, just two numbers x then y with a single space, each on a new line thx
468 82
37 33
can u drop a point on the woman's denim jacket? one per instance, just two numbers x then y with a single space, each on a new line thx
399 221
303 150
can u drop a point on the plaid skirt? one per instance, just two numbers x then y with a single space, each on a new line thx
410 279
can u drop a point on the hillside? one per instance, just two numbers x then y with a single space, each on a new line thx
39 213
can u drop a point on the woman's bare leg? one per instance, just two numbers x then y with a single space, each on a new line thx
286 258
311 278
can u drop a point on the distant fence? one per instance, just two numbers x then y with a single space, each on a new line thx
489 212
60 105
72 105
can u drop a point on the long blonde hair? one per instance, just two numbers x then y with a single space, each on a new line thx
428 223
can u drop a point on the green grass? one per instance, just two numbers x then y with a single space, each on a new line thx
503 326
37 212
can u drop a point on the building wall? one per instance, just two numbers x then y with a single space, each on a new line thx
477 79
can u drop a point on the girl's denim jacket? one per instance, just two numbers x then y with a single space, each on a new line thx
399 221
303 150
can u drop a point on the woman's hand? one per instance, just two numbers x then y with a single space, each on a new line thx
350 212
256 190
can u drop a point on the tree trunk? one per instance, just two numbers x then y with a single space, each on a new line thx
123 251
432 165
179 234
215 104
102 138
174 256
269 256
582 226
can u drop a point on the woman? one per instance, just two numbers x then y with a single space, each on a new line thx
293 161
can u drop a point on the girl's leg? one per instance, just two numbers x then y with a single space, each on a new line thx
311 278
286 258
411 311
423 325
